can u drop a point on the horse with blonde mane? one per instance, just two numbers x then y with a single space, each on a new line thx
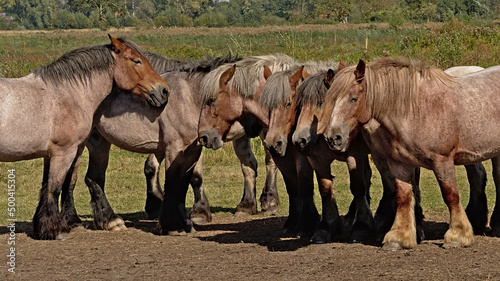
418 116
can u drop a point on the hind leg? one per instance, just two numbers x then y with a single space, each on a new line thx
269 199
495 217
200 213
104 216
248 203
69 217
154 194
477 209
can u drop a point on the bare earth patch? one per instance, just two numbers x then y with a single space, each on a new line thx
232 248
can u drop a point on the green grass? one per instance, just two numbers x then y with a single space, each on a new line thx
436 44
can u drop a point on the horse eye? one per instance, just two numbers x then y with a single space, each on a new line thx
211 100
289 104
354 99
137 61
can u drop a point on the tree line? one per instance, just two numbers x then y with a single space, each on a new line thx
68 14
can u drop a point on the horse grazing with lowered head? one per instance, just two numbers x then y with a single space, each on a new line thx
418 116
62 98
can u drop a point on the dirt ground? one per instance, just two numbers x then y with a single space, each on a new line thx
232 248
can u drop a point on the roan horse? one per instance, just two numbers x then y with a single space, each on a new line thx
418 116
281 95
232 93
62 98
170 133
308 137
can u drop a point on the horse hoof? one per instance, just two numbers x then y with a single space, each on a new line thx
118 228
177 233
199 220
289 233
270 211
321 237
495 232
451 245
391 247
117 225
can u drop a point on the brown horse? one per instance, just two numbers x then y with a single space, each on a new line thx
232 93
311 95
418 116
281 94
62 98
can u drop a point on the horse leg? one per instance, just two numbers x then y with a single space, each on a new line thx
69 217
200 213
104 216
46 221
363 226
248 203
269 199
309 216
330 225
154 194
288 170
179 167
495 217
460 233
477 209
403 233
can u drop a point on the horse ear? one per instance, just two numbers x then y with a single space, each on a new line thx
305 74
226 76
329 78
296 76
116 45
341 65
360 71
267 72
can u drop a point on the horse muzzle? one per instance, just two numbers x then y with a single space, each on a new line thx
209 140
336 142
159 96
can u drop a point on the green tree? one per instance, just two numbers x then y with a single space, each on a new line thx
335 9
99 9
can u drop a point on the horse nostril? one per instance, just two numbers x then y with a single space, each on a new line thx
337 139
203 140
165 92
302 142
279 143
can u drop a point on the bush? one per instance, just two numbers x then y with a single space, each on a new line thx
211 19
273 20
82 22
171 18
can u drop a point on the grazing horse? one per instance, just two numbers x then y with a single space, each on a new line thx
419 116
61 99
231 93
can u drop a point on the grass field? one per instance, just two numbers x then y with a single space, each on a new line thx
442 45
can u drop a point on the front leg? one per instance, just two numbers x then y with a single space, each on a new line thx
248 203
154 193
179 167
403 233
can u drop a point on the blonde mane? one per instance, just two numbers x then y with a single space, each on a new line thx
392 85
247 75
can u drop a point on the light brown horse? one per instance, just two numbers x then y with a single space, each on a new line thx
418 116
232 93
61 99
308 137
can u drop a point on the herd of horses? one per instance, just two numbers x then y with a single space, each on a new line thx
402 114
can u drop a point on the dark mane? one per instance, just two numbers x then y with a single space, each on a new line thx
78 65
205 65
277 88
161 63
313 90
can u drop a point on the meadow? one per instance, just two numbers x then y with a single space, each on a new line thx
441 45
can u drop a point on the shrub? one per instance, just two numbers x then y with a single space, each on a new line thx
211 19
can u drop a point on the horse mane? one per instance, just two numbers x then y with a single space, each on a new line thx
161 63
277 88
248 73
313 90
78 65
392 85
205 65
